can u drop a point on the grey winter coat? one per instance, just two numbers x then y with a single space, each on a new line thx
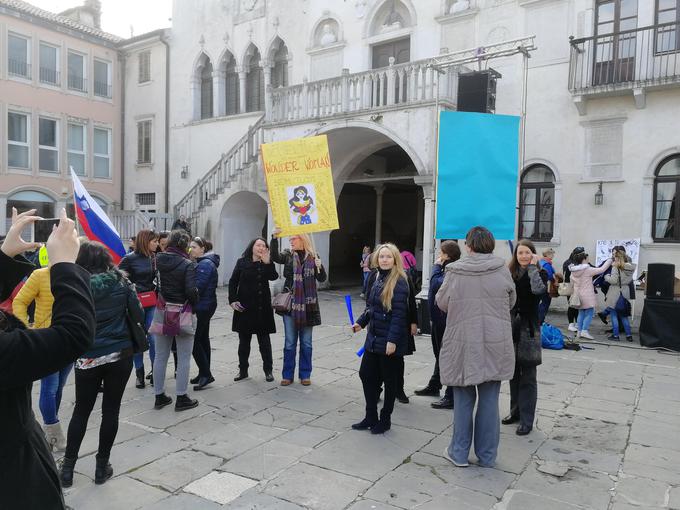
477 294
616 287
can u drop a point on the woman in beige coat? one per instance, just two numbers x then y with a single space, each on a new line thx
477 351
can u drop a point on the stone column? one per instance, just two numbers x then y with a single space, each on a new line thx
267 71
379 190
219 95
242 74
425 182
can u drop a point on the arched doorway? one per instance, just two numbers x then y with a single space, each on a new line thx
243 217
379 202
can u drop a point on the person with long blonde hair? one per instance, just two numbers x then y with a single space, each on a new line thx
302 270
386 317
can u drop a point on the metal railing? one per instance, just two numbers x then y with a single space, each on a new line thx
76 82
49 76
402 84
239 158
647 56
19 68
102 89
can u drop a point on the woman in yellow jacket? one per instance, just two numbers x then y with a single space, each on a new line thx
37 288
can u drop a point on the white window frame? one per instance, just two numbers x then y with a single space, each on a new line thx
70 151
29 50
96 154
82 90
26 144
57 69
145 206
54 148
140 77
109 85
149 159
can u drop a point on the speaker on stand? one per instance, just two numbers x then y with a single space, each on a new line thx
660 281
477 91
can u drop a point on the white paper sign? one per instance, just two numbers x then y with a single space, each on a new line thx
603 250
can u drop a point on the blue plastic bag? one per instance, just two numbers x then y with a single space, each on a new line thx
551 337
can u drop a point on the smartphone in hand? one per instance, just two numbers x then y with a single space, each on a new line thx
43 228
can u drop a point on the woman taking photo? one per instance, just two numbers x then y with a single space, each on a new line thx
207 263
109 361
526 326
582 277
477 354
302 268
178 286
250 298
140 267
387 318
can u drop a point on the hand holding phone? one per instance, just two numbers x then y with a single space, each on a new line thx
43 228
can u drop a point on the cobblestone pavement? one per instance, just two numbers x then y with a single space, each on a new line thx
606 437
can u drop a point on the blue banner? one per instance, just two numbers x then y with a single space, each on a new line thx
477 174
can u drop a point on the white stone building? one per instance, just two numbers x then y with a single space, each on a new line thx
601 115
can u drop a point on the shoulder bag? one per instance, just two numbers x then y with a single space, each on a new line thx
171 319
622 306
528 349
148 299
282 303
565 289
574 300
134 320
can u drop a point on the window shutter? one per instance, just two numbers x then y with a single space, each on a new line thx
144 66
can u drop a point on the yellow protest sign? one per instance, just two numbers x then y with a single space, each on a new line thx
300 185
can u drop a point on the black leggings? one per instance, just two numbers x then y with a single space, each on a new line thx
375 370
115 377
202 342
572 314
265 345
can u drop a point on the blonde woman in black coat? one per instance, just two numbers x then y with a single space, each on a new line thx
250 298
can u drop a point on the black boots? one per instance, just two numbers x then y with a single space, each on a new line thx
162 400
242 374
140 378
203 382
401 397
366 424
510 419
103 471
66 471
268 376
383 425
183 403
427 391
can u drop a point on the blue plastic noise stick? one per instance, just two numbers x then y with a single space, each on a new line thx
348 303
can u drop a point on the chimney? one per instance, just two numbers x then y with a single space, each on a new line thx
90 13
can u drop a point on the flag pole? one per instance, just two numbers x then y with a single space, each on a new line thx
73 198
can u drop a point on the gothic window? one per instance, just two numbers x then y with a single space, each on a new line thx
231 88
280 69
207 91
666 226
254 83
537 204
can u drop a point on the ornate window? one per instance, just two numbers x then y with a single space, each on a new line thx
207 91
231 87
537 204
280 67
666 215
254 82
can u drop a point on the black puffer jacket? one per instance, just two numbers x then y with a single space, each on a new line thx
113 294
140 271
386 326
178 278
29 475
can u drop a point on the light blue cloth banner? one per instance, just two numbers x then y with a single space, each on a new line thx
477 175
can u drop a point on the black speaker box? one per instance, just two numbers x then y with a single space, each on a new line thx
477 91
660 281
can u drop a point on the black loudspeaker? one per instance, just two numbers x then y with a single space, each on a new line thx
477 91
660 281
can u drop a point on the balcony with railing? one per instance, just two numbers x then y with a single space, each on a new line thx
629 60
102 89
19 68
49 76
412 84
76 82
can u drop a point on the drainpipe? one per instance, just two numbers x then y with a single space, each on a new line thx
122 61
167 122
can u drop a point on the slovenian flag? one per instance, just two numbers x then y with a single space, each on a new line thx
94 221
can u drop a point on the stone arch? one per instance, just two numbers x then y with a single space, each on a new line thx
403 12
648 191
243 217
557 200
317 30
278 58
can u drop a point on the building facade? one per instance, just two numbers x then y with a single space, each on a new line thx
60 107
601 155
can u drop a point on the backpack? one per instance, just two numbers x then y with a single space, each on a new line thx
551 337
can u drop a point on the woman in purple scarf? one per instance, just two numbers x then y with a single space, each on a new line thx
302 269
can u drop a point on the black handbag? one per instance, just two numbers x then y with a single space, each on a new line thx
528 348
622 305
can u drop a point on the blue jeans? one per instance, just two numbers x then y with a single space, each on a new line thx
50 394
585 317
615 322
290 349
139 357
543 307
487 425
365 280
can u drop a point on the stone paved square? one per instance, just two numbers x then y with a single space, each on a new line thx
609 416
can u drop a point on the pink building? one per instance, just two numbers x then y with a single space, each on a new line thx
60 107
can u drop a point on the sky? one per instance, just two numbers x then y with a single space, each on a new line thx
119 15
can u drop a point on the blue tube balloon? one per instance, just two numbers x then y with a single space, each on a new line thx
348 303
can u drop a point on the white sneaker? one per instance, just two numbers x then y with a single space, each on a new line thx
448 457
585 334
572 327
